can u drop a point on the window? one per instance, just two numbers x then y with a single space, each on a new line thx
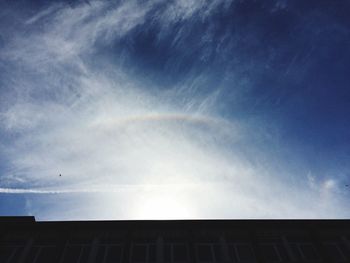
175 252
143 252
334 252
308 252
110 253
10 254
11 248
241 252
42 254
305 251
76 253
270 252
208 252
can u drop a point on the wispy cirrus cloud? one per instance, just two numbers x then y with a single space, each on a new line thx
75 111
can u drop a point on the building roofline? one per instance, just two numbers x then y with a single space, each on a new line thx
17 219
275 223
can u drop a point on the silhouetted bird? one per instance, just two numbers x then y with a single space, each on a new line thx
60 175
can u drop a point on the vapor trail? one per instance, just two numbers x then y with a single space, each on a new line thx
46 191
101 189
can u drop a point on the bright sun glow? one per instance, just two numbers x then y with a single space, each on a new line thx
163 206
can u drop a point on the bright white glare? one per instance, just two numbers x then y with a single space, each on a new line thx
163 204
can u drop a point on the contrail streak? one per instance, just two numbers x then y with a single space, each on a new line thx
106 189
48 191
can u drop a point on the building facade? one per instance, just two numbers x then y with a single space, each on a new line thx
23 240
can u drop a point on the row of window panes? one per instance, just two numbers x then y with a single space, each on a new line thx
173 252
335 252
74 253
41 254
10 254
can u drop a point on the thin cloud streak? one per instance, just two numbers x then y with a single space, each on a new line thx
93 189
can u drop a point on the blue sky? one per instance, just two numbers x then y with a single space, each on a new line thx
175 109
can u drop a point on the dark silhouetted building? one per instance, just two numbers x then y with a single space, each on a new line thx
23 240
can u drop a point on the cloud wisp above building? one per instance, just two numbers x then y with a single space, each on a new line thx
181 109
